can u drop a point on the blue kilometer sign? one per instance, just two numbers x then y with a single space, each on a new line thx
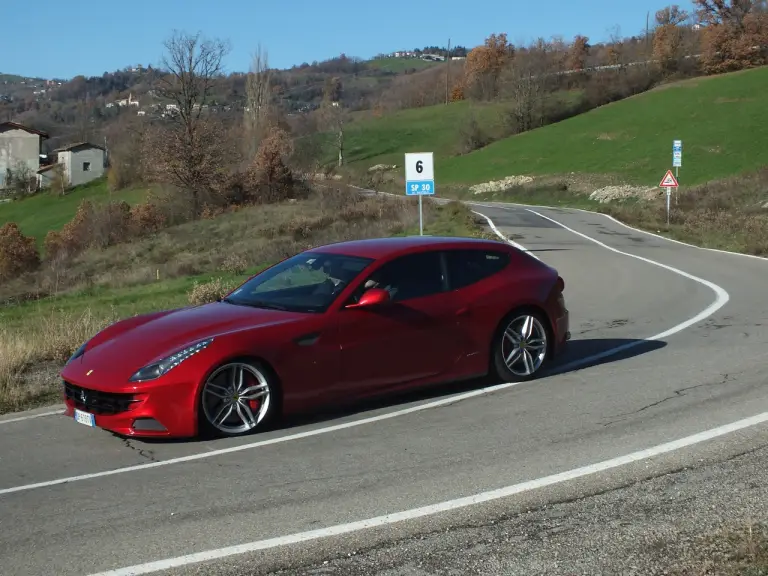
422 187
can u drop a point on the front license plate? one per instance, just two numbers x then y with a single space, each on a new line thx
85 418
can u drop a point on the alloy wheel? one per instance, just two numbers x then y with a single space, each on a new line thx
236 398
524 345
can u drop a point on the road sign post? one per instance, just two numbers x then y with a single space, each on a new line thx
669 181
420 179
677 160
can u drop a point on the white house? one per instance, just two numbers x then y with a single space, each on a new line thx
82 162
20 149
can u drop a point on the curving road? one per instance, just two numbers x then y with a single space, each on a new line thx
694 332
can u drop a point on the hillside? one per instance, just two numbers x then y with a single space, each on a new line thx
722 120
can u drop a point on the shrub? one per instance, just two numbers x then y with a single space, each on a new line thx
234 264
146 218
18 253
209 291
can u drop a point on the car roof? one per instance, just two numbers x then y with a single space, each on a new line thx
378 248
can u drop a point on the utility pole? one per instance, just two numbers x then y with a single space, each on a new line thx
647 37
448 73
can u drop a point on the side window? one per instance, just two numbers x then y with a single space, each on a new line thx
466 267
408 277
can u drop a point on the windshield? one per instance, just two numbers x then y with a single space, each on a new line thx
307 282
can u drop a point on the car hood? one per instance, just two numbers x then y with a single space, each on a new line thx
125 347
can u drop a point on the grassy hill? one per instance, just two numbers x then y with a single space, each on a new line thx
722 120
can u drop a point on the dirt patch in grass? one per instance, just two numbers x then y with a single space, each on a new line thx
161 271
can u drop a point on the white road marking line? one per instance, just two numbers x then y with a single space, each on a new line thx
433 509
505 238
722 298
31 416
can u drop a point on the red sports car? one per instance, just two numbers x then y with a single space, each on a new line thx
331 324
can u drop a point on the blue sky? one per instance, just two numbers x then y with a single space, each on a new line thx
91 38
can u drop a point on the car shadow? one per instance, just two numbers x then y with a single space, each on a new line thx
595 351
579 354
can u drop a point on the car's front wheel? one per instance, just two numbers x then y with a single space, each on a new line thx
521 346
237 398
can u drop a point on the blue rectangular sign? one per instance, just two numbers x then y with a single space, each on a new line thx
420 187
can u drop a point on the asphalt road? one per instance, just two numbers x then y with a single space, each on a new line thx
691 379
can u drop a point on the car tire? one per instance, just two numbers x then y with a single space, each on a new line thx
238 398
532 357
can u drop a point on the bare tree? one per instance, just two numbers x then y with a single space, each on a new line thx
525 84
334 115
671 15
190 151
258 107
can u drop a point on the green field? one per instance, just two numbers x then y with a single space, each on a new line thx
383 140
722 121
46 211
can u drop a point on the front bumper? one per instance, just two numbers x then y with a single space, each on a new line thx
157 410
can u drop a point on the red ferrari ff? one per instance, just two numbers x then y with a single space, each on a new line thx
331 324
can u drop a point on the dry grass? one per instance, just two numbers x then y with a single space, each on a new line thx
30 358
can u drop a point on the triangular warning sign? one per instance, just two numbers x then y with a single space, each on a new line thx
669 180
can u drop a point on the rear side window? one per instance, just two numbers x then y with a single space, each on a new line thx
466 267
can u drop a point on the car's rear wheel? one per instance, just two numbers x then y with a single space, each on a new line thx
238 398
521 346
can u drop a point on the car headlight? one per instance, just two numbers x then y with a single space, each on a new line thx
79 352
157 369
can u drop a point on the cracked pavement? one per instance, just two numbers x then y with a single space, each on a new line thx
710 374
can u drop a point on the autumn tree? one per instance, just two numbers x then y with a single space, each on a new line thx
735 34
258 103
18 253
270 175
484 65
190 151
668 38
578 53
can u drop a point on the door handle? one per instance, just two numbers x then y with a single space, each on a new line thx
463 311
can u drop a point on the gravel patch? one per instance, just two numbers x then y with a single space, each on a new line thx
696 522
500 185
609 193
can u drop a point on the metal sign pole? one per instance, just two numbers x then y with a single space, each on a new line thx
421 217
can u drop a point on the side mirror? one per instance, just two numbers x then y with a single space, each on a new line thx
372 297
